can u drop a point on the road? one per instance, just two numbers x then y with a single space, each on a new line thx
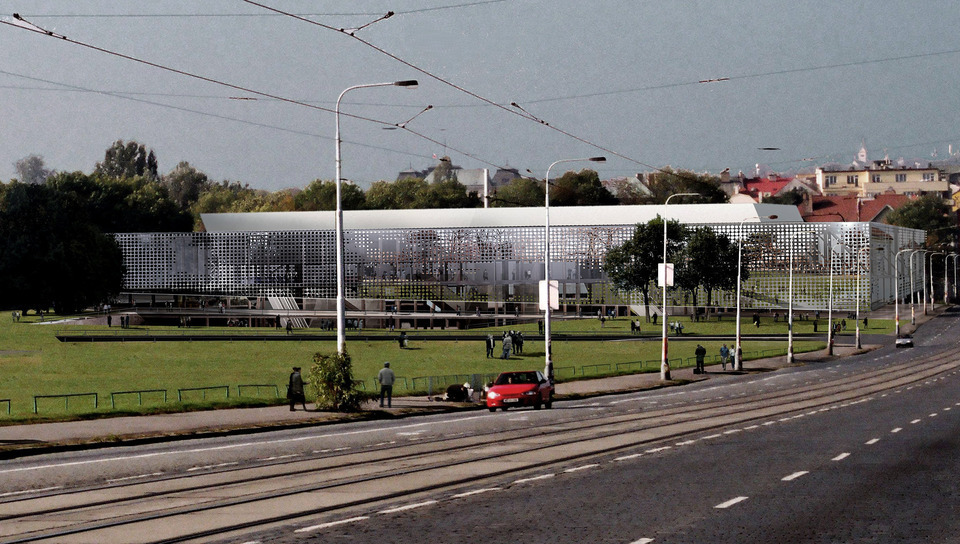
857 450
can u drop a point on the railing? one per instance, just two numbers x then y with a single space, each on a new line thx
257 387
66 399
180 392
138 393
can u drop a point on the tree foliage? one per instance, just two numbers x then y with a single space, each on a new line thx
31 169
666 182
331 377
185 184
931 214
581 188
709 262
127 160
322 195
524 192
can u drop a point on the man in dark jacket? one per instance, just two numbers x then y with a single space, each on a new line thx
295 389
701 352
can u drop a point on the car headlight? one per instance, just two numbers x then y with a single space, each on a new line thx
529 393
492 394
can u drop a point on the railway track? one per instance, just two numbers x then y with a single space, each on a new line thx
227 502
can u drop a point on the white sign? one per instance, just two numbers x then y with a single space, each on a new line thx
665 275
551 293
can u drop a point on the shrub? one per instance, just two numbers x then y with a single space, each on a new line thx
331 377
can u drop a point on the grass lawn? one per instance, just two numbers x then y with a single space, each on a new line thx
33 362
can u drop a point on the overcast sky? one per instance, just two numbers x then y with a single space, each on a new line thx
610 77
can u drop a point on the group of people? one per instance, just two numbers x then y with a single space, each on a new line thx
727 355
512 341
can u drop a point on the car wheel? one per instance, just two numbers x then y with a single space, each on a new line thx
503 408
492 409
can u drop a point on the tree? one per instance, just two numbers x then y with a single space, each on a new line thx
447 194
322 195
127 160
331 377
444 170
184 184
666 182
31 169
632 265
518 192
931 214
581 188
52 253
709 262
399 195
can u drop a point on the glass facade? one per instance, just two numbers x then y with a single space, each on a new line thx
477 266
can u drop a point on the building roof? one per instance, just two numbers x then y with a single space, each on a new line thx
498 217
828 209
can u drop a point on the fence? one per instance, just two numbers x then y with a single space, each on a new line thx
180 392
257 387
66 399
139 394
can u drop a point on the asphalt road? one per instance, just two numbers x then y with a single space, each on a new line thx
843 467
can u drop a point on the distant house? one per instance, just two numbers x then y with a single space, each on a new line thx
850 208
881 177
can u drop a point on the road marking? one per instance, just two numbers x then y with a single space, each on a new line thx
533 479
712 436
643 541
731 502
733 431
208 467
897 430
475 492
947 409
26 491
841 457
331 524
686 442
915 421
795 475
934 414
627 457
872 441
752 427
658 450
278 457
406 507
584 467
137 477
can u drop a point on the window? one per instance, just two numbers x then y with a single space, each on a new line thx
830 180
901 178
853 180
877 178
928 176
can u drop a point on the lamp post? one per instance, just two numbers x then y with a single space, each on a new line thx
933 295
547 309
737 363
664 365
946 295
896 289
341 310
955 256
860 254
913 285
830 302
793 238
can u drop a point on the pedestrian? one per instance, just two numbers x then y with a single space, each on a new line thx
109 320
276 323
540 326
491 343
756 320
386 379
724 356
295 390
654 319
843 324
402 340
864 322
815 323
700 352
518 343
289 326
507 346
679 328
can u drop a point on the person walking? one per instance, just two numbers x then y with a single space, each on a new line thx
386 379
295 390
724 356
701 352
507 346
491 343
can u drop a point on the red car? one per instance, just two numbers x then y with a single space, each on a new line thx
527 388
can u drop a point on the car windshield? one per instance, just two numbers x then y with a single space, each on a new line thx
516 377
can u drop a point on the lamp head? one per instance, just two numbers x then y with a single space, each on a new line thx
407 83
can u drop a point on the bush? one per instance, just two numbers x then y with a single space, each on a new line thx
331 377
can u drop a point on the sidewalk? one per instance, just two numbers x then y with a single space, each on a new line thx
17 440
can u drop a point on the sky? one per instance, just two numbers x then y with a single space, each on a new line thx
246 94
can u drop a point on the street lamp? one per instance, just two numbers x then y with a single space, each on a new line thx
341 310
933 294
913 285
830 299
896 289
793 238
664 365
737 363
548 352
860 254
955 256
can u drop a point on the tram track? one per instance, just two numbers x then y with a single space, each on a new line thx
202 506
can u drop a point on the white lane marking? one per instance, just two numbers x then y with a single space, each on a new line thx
534 478
26 491
872 441
208 467
475 492
686 442
733 431
897 430
642 541
406 507
934 414
627 457
137 477
731 502
278 457
947 409
795 475
711 437
657 450
239 445
584 467
752 427
331 524
841 457
915 421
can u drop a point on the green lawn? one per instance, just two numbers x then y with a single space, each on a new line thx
33 362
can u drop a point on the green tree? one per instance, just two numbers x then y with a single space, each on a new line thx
184 184
399 195
931 214
709 262
52 253
127 160
581 188
331 378
31 169
322 195
666 182
633 265
524 192
447 194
